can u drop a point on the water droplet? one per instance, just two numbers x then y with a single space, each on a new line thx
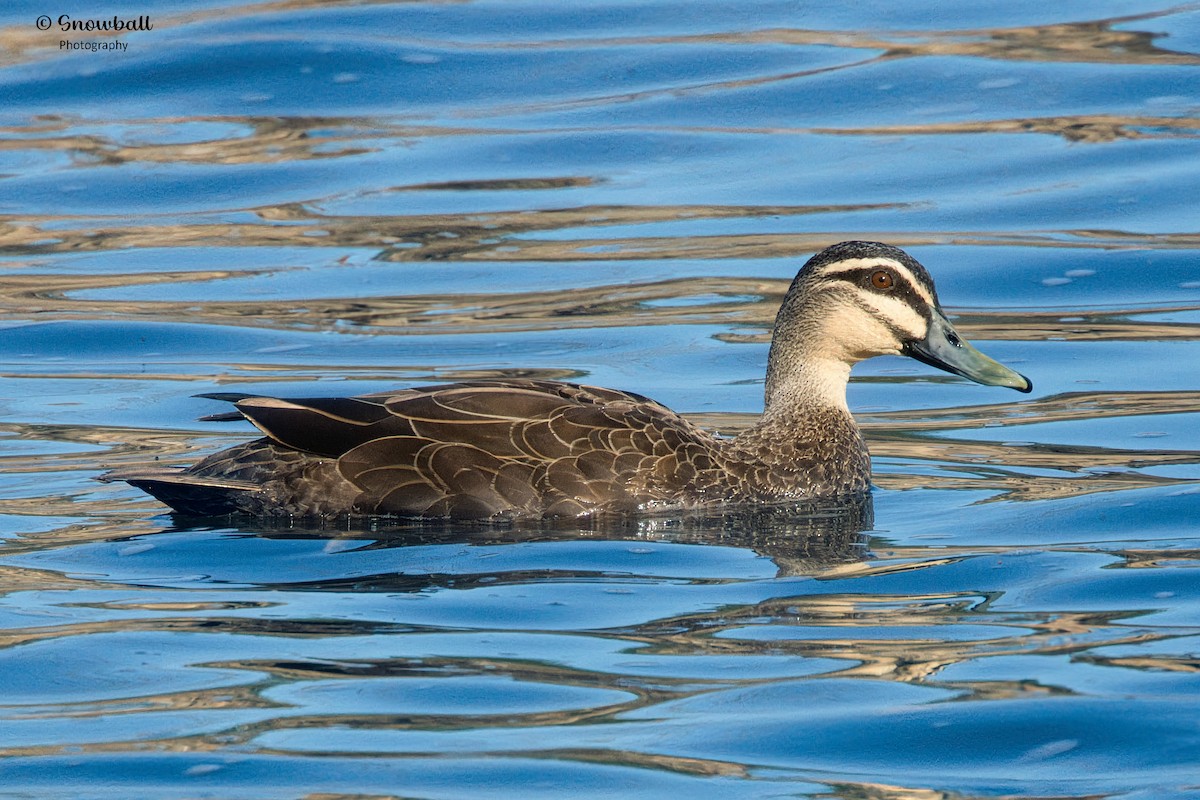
999 83
1050 749
201 769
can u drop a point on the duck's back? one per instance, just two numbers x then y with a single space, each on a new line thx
468 450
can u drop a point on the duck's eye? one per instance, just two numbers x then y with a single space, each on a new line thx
882 279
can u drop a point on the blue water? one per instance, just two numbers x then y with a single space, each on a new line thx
295 199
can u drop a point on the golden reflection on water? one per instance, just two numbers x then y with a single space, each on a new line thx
740 303
490 236
249 140
1094 41
896 657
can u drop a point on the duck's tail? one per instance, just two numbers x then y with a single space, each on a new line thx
188 493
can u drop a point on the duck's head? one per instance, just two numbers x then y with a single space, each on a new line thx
856 300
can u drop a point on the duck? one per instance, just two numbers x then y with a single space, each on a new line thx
535 449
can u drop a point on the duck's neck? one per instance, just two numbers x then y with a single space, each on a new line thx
807 372
806 443
805 414
805 387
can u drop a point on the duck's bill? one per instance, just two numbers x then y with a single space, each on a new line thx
945 349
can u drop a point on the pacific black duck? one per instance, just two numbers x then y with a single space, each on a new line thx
532 448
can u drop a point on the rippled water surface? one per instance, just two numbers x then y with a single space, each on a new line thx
303 198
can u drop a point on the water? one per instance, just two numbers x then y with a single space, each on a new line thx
297 199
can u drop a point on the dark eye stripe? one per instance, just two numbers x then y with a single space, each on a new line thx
901 287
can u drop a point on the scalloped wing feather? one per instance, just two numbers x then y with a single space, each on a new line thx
468 450
526 448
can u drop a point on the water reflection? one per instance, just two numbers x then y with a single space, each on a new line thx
801 539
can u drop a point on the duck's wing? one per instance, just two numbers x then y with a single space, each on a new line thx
474 450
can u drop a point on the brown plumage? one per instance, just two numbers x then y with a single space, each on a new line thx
529 449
